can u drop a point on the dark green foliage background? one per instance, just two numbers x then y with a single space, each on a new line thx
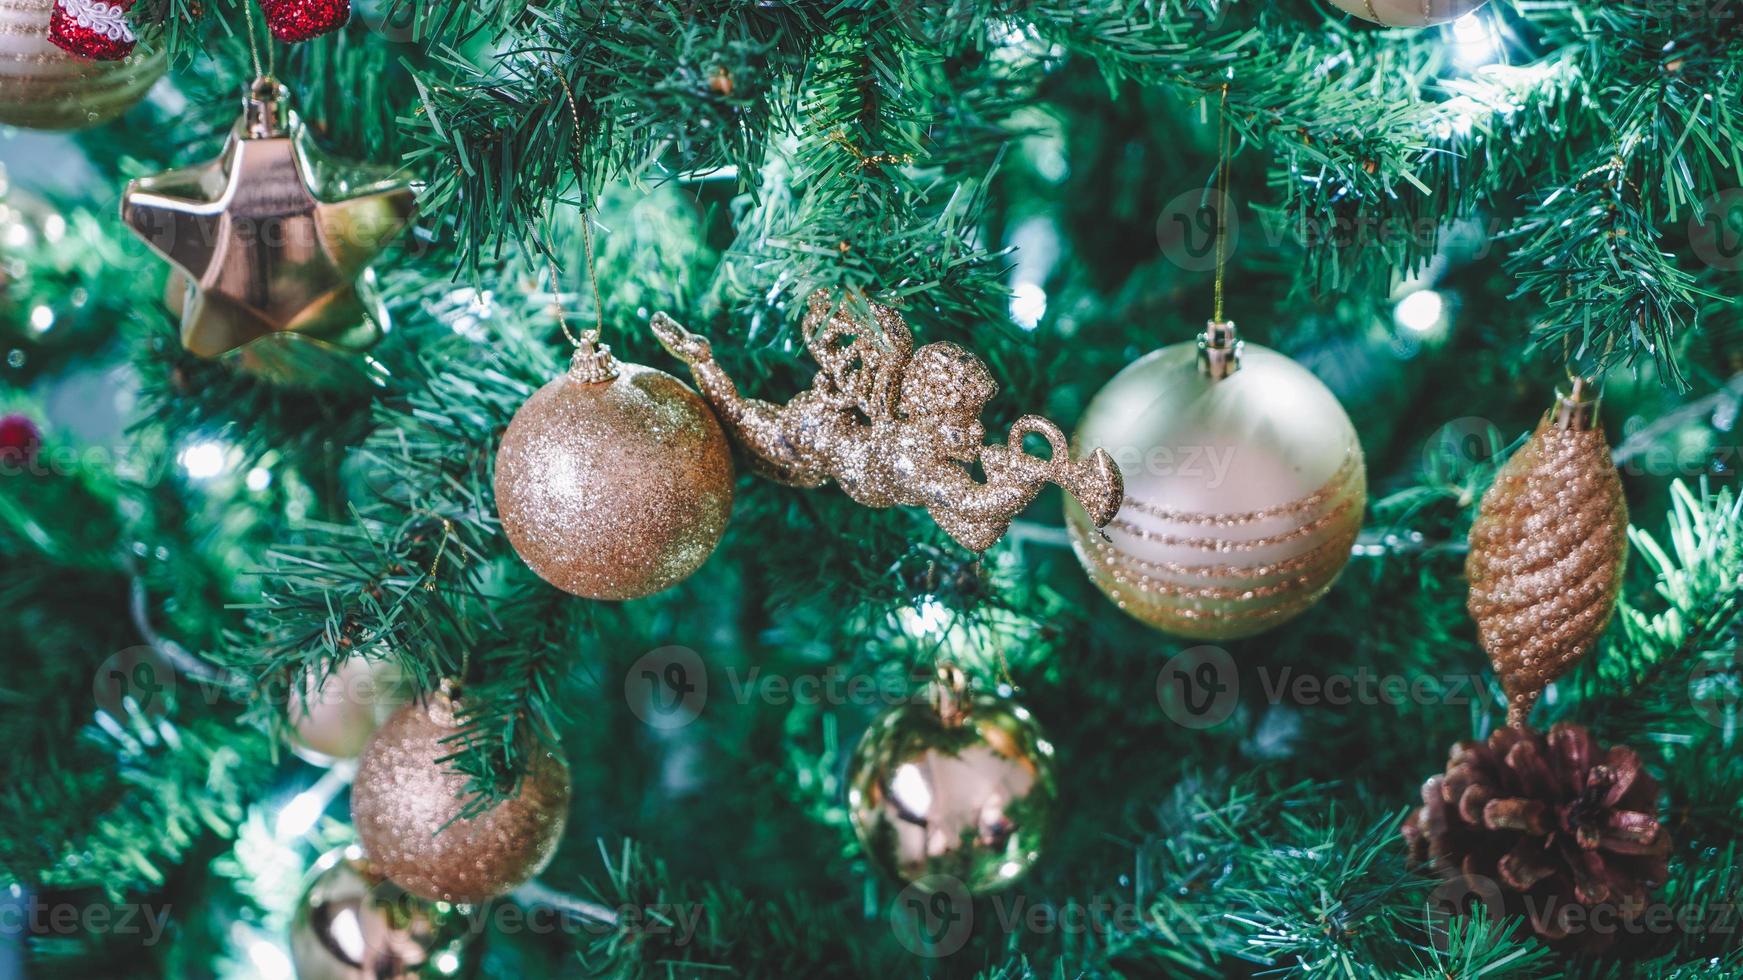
1556 203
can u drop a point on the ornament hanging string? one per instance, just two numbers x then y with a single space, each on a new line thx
1578 377
1224 153
254 43
430 586
590 336
441 549
864 159
949 673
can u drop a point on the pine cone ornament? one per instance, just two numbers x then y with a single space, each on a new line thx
1565 832
1547 551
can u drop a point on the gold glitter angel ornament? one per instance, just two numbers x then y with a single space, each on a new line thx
895 426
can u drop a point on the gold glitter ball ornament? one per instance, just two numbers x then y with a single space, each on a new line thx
1548 548
960 788
45 87
895 426
1410 13
354 924
614 481
1245 488
404 804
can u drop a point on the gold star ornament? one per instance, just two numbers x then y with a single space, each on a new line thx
274 241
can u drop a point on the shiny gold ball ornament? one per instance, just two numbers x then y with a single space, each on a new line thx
1410 13
45 87
405 805
1548 548
956 789
1244 482
354 924
333 715
273 241
615 480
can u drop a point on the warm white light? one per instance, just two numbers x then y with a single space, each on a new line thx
447 963
928 618
1474 40
258 479
472 309
909 789
299 815
203 460
1470 29
269 961
41 318
1028 305
347 934
1422 313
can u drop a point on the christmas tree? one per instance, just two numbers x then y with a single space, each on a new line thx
1169 488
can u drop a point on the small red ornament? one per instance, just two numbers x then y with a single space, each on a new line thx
20 441
299 20
93 29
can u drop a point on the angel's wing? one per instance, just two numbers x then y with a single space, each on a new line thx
860 359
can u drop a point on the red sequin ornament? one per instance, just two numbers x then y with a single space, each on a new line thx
299 20
92 29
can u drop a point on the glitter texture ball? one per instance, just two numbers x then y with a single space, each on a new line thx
968 794
1243 495
92 29
354 924
1410 13
1547 552
299 20
403 800
45 87
614 487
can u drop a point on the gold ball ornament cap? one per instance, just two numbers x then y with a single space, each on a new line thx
613 481
274 240
1410 13
45 87
1244 488
962 787
354 924
404 804
1548 550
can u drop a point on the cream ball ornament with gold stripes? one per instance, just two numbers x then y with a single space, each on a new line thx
1410 13
44 87
1245 488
